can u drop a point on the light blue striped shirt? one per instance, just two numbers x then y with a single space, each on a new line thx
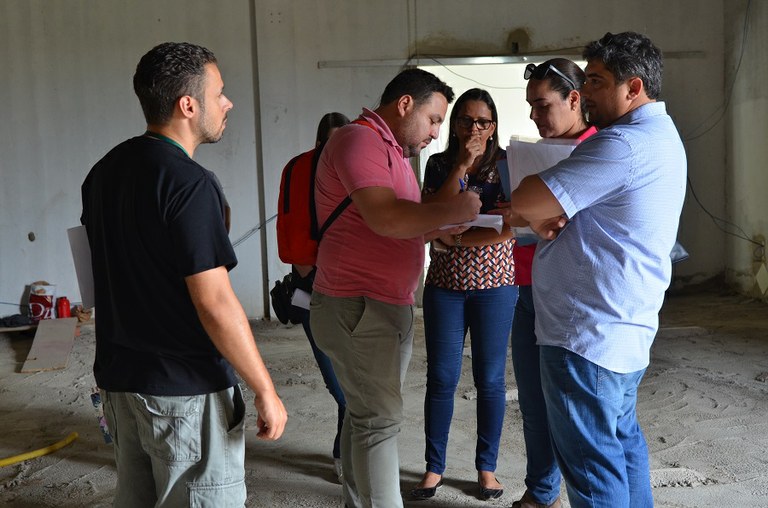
599 285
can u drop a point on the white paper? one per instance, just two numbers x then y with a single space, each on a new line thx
527 157
483 221
81 254
300 298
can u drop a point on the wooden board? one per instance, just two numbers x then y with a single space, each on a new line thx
9 329
51 346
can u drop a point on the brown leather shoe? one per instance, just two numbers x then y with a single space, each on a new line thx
527 501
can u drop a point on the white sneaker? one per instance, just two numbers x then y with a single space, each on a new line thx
338 470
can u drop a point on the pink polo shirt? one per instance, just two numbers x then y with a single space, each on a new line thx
352 260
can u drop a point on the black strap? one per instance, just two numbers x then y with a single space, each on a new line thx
335 215
287 185
315 234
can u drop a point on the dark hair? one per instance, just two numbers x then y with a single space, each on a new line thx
327 122
570 70
167 72
417 83
628 55
492 144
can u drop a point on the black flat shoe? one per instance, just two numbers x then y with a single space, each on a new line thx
426 492
486 493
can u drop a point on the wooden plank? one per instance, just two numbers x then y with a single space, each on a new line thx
51 346
9 329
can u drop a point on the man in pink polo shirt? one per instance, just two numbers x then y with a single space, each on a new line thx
368 265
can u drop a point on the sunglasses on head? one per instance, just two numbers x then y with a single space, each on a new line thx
540 71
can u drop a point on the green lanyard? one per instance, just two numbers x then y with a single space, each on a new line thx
160 137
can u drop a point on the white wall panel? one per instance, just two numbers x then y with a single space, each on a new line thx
747 132
67 70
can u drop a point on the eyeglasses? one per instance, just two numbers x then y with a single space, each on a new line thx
539 72
465 122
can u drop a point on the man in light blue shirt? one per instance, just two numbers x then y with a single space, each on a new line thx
600 275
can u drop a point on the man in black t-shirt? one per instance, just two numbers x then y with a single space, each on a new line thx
170 332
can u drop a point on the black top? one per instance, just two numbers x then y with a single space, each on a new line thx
153 217
486 182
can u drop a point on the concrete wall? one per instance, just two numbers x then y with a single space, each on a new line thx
356 32
68 65
67 71
746 72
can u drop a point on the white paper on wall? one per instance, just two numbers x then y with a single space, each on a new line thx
81 254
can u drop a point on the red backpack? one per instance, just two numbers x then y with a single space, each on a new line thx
297 231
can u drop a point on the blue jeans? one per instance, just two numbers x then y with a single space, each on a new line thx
329 377
487 313
598 442
542 474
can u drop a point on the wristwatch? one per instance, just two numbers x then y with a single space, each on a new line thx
457 239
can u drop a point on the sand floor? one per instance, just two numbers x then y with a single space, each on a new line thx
703 406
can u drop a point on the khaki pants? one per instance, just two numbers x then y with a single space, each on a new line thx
369 343
178 450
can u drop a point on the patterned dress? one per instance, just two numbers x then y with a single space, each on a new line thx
465 268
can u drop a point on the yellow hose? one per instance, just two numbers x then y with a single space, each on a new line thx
37 453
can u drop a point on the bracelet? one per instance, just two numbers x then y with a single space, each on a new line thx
457 240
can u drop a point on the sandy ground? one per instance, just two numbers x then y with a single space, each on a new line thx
703 406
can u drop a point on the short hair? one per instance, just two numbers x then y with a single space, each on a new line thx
567 68
327 122
492 145
417 83
167 72
628 55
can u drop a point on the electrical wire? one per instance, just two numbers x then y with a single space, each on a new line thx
252 231
727 101
719 222
441 64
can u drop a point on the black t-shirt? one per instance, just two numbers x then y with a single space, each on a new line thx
154 216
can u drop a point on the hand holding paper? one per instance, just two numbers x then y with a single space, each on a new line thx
483 221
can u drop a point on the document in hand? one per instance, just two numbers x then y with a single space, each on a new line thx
529 157
483 221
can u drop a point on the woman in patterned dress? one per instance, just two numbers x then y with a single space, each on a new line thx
469 286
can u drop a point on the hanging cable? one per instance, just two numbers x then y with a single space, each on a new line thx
729 95
719 222
251 231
